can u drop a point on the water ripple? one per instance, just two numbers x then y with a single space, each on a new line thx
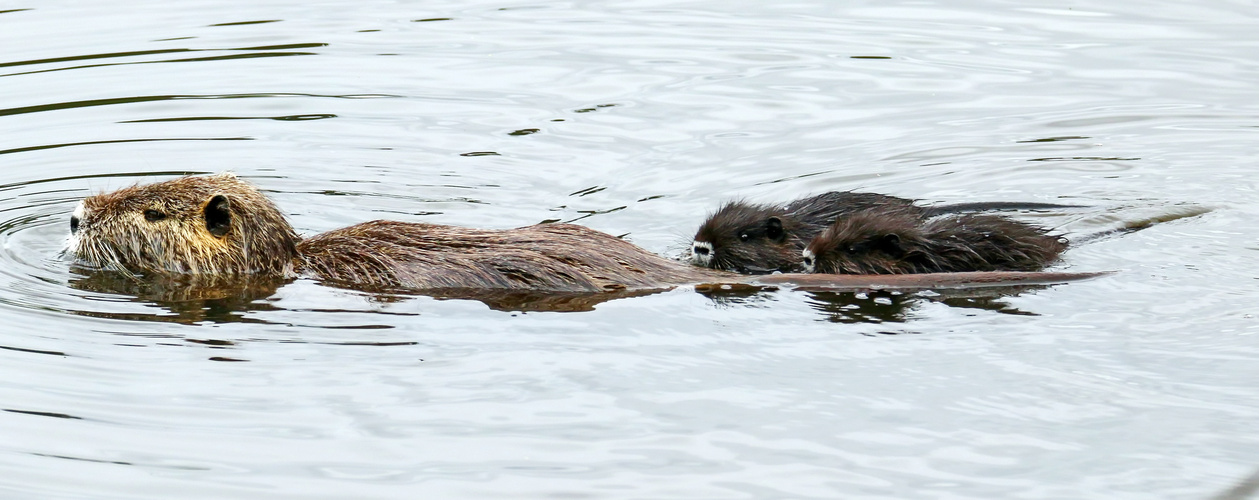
637 118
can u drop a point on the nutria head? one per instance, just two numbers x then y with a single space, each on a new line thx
894 241
202 225
867 242
747 238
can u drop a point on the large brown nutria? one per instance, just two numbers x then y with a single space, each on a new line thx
898 241
752 238
222 226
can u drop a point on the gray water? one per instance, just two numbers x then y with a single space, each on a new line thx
636 118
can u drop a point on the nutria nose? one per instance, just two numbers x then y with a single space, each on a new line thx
76 218
700 250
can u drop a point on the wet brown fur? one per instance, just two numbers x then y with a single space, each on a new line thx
554 257
893 241
758 239
253 238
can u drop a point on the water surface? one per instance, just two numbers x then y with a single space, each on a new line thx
636 118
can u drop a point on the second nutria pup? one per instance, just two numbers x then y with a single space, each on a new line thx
897 241
759 239
222 226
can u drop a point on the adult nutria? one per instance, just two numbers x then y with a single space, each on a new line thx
899 241
758 239
222 226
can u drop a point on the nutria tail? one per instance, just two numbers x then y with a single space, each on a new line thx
994 206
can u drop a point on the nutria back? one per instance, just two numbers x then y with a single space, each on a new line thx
551 257
758 239
892 241
205 225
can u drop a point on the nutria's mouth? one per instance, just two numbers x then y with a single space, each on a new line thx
91 258
702 253
808 259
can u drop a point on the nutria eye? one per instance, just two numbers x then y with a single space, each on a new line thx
74 223
153 215
744 236
808 261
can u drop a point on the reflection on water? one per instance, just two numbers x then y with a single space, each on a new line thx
889 306
183 298
188 299
505 300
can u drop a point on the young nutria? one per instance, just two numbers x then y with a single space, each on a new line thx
222 226
757 239
899 241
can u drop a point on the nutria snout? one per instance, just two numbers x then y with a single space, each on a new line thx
895 241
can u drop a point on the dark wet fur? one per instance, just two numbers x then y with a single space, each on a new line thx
768 249
758 239
889 241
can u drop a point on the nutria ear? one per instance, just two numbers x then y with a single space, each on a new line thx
774 230
218 216
891 244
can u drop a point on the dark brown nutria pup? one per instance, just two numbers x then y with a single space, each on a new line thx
222 226
758 239
899 241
